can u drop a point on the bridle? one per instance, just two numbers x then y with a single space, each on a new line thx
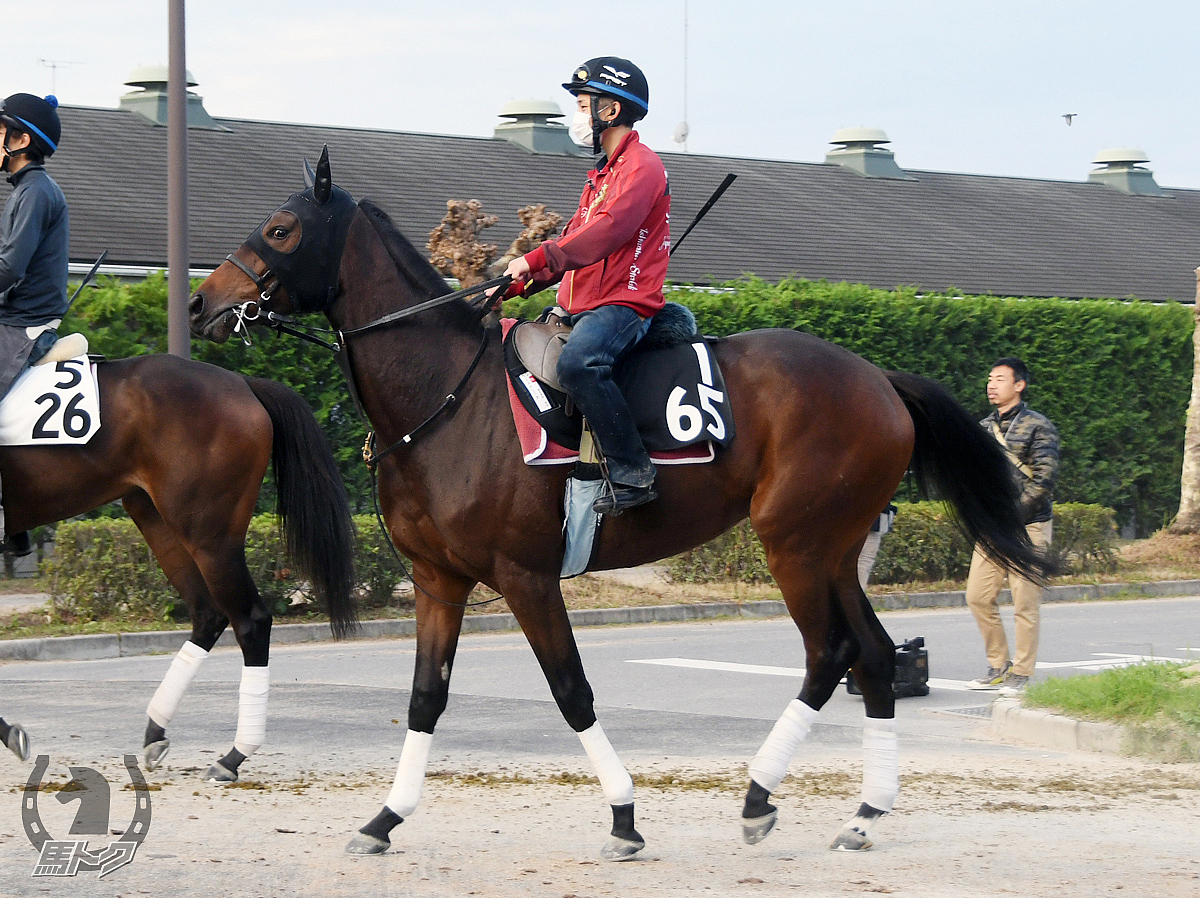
252 312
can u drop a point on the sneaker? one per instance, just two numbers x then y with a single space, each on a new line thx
993 679
1014 685
622 497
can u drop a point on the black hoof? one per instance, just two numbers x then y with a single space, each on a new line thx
624 842
155 752
363 844
219 773
18 741
373 838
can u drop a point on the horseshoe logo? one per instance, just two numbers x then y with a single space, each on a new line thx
92 792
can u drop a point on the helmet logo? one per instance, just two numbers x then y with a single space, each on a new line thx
581 74
613 76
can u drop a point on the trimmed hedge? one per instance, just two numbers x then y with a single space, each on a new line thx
924 545
103 569
1114 376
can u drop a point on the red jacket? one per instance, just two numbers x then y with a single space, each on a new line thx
615 247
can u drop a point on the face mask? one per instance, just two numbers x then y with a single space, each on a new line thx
581 129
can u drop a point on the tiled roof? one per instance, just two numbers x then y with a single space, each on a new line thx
973 233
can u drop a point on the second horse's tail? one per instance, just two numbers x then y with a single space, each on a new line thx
970 471
312 503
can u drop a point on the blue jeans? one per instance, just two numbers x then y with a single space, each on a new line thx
598 340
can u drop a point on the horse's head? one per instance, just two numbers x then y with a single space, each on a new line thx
287 264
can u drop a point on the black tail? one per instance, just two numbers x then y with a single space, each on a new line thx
970 471
312 503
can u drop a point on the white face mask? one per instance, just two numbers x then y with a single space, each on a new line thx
581 129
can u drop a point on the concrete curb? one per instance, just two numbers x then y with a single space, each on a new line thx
120 645
1011 720
1157 589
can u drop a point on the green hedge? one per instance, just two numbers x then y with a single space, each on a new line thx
924 545
103 569
1114 376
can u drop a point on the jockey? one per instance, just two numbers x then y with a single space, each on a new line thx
33 241
611 259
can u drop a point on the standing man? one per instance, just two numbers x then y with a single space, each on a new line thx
611 259
34 232
1031 443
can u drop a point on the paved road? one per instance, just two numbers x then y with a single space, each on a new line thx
698 690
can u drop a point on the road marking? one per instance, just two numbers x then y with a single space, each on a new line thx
696 664
1099 661
1110 661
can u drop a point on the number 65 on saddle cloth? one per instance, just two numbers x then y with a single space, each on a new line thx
52 405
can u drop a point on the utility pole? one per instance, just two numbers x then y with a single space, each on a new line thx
178 286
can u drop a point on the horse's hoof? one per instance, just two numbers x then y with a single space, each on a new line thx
755 829
618 849
155 752
18 741
219 773
851 839
365 844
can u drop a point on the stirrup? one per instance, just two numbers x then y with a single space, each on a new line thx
617 497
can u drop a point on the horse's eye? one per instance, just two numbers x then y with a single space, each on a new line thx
279 233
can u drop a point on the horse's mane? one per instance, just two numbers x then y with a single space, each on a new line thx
411 263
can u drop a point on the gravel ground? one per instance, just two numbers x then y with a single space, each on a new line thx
967 823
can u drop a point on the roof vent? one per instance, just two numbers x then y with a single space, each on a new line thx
531 129
859 152
1122 172
150 102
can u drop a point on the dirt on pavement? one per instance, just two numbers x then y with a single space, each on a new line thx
1060 825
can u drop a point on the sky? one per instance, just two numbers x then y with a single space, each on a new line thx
978 86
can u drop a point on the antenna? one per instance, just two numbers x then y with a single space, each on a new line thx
52 65
681 130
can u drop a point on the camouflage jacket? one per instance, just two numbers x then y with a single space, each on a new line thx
1032 445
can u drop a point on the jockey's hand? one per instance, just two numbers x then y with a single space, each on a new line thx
518 269
519 275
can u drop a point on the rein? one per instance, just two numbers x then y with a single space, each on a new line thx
284 324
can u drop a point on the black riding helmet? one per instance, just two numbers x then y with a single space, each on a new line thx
36 117
613 77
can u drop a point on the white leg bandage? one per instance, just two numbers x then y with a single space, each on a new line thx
614 778
881 763
252 710
170 692
410 773
770 765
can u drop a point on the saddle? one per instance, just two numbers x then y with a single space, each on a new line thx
670 379
72 346
538 344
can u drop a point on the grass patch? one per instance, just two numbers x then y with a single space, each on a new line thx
1157 702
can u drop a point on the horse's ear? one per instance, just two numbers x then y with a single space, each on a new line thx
323 183
310 176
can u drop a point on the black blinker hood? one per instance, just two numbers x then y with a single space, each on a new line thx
310 272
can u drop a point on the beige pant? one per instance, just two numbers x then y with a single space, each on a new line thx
983 585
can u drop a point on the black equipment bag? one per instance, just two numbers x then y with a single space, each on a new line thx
912 671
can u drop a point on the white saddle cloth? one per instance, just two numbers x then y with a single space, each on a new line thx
55 402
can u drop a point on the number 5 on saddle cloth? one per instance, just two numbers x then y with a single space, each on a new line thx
671 381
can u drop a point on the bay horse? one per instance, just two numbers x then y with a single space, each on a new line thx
823 440
185 446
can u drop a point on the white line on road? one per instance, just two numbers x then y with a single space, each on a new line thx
696 664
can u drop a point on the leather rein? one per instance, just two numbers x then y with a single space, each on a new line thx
267 283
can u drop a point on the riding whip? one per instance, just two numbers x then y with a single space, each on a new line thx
87 277
712 201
